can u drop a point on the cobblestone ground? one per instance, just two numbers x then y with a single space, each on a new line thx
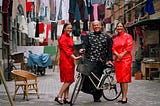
141 93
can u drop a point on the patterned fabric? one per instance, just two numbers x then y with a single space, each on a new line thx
98 45
123 42
66 62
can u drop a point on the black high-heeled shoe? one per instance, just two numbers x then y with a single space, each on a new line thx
66 101
58 100
123 102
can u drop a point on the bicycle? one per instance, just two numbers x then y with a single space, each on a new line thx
107 82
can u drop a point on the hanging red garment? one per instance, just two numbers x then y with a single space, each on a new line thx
41 28
28 6
123 42
66 62
47 31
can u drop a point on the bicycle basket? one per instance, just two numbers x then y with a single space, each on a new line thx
85 67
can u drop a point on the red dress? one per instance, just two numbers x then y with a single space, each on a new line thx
121 43
66 63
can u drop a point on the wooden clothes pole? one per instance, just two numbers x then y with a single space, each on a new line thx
5 85
55 60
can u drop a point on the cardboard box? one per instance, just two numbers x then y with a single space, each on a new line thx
138 76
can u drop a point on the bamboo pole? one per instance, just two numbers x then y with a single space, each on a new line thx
5 85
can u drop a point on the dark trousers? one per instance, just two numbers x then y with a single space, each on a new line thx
88 87
54 30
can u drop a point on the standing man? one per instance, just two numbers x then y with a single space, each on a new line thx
98 50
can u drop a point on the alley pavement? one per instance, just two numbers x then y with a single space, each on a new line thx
141 93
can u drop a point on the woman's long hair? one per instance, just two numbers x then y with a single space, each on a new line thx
64 26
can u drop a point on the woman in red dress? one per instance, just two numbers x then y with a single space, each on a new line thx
66 63
122 47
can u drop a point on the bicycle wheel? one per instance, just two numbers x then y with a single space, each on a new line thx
111 89
77 88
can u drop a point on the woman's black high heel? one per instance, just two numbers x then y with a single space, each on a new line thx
59 100
66 101
123 102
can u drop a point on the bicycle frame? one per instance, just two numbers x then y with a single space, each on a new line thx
106 82
100 80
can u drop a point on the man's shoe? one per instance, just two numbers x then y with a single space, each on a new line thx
97 100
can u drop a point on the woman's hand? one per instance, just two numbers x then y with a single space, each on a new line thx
109 62
81 51
121 55
78 57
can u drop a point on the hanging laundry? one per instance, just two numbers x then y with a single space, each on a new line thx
45 2
41 28
76 31
33 12
60 11
31 29
65 14
90 11
101 11
48 32
52 9
97 1
28 6
1 2
149 7
81 6
15 5
54 31
57 7
46 9
20 9
74 13
95 11
37 28
23 25
42 12
85 10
